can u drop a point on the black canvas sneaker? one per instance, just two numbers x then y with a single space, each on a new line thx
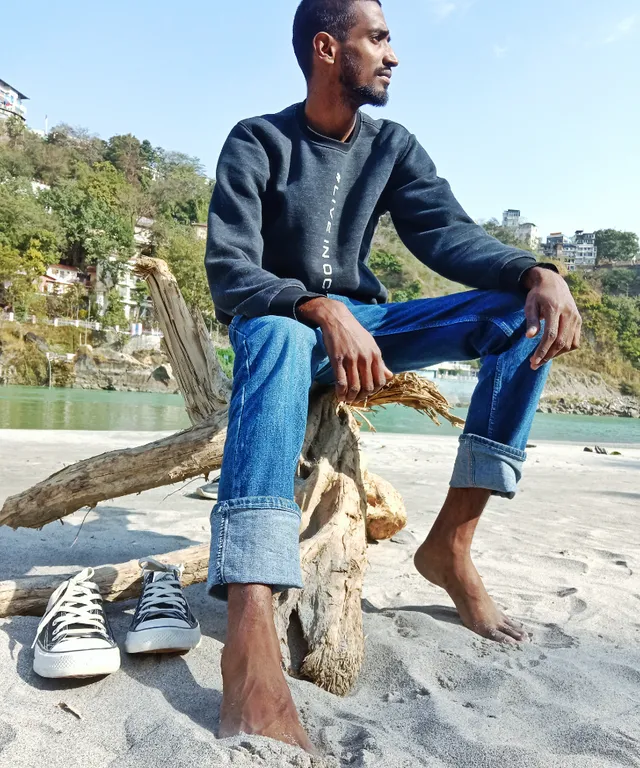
210 490
74 638
163 622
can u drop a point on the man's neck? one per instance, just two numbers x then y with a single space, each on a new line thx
329 117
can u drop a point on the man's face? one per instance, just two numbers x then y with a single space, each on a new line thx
366 58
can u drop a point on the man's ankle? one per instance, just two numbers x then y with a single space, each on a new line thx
250 617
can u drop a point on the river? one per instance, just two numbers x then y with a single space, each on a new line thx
41 408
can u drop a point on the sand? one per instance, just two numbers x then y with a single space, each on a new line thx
563 557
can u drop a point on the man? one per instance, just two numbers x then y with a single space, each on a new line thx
296 202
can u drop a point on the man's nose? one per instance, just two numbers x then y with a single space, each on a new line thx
390 58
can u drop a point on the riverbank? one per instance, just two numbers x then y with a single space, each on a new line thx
89 409
562 557
139 364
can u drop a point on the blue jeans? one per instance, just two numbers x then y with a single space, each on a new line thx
255 524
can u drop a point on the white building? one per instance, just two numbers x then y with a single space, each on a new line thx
577 251
11 102
523 230
529 234
58 279
511 219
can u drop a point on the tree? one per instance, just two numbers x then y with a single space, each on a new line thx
125 153
178 245
506 236
114 313
615 245
94 213
15 129
182 192
621 282
19 273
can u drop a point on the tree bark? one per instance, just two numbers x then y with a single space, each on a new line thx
188 454
202 382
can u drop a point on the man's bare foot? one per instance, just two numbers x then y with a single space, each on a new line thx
456 573
256 698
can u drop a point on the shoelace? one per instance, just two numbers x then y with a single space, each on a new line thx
76 609
162 598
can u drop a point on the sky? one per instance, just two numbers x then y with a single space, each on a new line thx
521 104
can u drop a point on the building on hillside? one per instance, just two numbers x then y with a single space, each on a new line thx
127 281
58 279
11 102
511 219
577 251
529 235
523 230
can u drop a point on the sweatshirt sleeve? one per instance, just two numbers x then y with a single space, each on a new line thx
435 228
233 259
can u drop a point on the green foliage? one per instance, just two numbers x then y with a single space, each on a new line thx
621 282
411 291
182 192
226 357
114 313
614 245
178 245
506 235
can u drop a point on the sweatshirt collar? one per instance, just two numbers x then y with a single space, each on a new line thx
327 141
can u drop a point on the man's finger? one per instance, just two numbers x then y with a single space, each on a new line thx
379 374
532 316
353 378
563 340
548 339
365 371
342 384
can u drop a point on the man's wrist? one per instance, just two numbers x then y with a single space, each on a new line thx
318 311
535 274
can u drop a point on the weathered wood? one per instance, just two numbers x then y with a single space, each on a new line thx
386 513
188 454
202 382
28 596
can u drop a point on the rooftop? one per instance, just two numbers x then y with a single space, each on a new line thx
20 95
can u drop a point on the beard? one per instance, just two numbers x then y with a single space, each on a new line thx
358 95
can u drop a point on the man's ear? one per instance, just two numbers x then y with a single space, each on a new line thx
325 47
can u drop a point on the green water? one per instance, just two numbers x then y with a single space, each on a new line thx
41 408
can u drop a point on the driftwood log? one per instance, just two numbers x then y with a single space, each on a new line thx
320 627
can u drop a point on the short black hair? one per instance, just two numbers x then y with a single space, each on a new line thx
335 17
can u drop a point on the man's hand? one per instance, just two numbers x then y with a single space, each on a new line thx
355 357
550 299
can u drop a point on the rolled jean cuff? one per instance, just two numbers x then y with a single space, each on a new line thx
255 540
483 463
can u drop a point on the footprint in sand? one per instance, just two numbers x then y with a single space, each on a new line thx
551 636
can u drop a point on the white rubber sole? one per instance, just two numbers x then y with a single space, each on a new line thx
162 640
213 496
76 663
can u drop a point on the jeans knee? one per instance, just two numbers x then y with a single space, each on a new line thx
281 333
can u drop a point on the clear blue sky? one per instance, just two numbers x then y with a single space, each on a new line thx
530 105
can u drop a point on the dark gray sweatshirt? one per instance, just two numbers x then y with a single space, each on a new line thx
293 214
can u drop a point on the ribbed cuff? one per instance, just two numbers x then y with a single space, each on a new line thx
284 303
483 463
513 270
255 540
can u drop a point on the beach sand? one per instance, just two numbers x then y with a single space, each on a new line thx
563 557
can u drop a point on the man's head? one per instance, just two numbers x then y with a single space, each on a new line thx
346 44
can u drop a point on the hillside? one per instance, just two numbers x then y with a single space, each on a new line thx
74 199
609 302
